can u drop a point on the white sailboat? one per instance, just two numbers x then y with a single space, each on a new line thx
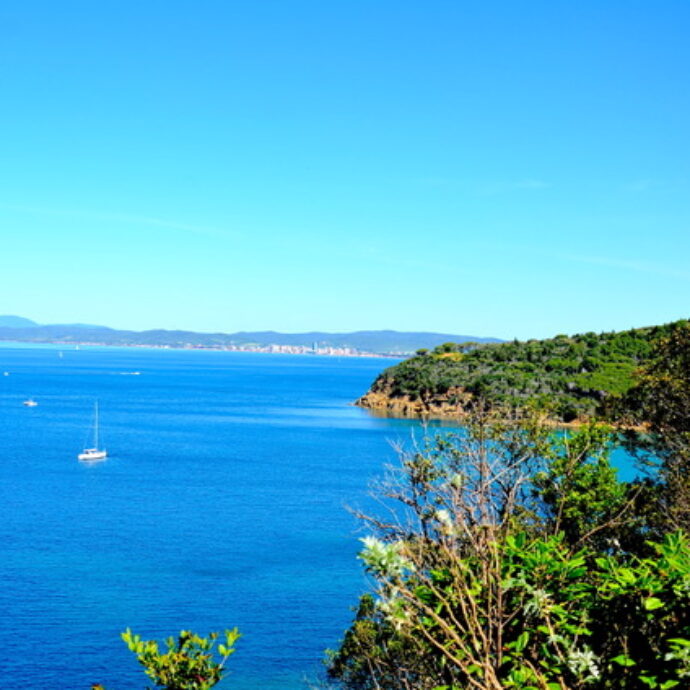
95 453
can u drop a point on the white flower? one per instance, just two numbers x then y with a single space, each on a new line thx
384 559
443 516
583 663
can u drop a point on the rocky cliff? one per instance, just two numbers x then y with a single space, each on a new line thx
380 399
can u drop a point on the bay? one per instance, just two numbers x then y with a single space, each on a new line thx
222 503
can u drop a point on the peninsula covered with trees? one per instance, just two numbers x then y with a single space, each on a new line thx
575 377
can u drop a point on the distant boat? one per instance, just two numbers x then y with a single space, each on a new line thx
30 402
95 453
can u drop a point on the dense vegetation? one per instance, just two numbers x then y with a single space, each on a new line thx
577 376
509 556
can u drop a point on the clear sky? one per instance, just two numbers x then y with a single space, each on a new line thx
507 169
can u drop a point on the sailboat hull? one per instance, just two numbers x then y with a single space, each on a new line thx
92 455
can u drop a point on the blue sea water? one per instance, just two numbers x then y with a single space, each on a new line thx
222 503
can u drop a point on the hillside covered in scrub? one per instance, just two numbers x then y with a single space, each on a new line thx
574 377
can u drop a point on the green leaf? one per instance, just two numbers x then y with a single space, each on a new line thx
652 603
521 641
623 660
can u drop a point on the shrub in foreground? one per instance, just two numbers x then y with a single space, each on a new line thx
510 556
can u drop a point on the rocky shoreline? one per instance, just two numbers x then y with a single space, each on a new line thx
450 406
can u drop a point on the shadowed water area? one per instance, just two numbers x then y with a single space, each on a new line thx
221 504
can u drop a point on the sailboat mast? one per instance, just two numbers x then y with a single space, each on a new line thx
95 433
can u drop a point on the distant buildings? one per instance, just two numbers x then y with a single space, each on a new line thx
314 349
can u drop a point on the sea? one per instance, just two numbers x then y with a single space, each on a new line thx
226 501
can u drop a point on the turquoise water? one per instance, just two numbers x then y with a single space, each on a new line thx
222 503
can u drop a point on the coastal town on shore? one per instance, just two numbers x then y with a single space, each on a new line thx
305 350
322 351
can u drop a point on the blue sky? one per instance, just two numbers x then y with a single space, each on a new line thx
487 168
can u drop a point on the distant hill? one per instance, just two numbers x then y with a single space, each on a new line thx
16 322
389 342
369 342
575 376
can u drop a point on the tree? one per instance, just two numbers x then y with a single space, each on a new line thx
578 486
659 411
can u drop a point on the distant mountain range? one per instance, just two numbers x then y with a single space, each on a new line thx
20 329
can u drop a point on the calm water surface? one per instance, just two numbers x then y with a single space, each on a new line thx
222 504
